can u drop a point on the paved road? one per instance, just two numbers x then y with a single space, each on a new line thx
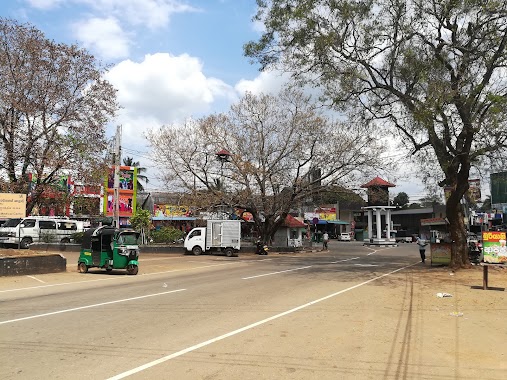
188 317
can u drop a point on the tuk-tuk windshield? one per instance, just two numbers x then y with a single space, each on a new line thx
127 239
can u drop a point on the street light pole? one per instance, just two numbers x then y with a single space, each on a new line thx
223 156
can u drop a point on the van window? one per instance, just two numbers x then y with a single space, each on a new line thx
47 225
11 222
67 226
28 223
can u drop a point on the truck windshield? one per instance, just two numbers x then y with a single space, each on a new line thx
12 222
128 239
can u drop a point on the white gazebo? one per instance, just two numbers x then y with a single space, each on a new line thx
377 239
378 203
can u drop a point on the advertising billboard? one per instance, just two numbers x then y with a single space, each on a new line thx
494 247
12 205
127 191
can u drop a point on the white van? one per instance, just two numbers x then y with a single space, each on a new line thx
34 229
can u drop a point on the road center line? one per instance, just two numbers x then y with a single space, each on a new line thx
245 328
89 306
341 261
269 274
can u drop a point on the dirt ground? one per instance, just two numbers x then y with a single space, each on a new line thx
420 323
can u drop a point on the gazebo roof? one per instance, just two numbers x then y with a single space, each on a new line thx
378 182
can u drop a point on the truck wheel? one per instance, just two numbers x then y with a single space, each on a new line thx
25 242
82 267
229 252
196 250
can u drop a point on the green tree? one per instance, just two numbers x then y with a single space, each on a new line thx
401 199
283 151
129 161
430 71
141 222
54 106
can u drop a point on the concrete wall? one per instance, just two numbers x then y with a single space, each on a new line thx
36 264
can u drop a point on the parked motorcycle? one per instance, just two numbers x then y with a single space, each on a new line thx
474 252
262 249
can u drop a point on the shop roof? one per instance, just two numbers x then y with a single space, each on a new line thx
378 182
292 222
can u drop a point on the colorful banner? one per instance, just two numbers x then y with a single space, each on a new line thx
127 191
171 211
494 247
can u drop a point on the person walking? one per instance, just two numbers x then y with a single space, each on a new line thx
325 239
422 248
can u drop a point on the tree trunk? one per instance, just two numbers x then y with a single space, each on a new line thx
459 253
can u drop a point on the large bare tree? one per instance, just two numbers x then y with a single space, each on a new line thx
54 106
282 151
433 70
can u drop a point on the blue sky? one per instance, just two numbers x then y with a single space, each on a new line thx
170 59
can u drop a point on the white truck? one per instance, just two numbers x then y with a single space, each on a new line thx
219 236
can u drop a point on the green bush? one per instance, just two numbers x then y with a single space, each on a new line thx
77 237
166 235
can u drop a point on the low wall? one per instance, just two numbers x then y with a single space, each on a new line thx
32 264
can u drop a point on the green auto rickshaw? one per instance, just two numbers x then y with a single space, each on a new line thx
109 248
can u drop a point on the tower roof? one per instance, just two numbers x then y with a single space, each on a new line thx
377 182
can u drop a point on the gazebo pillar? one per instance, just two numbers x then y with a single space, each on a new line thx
379 223
370 224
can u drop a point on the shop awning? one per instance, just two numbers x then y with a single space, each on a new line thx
338 221
322 221
174 218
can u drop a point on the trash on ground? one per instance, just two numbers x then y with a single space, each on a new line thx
442 295
456 314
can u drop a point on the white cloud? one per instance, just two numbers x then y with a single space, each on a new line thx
44 4
164 89
267 82
103 36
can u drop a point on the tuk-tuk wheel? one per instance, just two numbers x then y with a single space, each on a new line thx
109 269
132 269
82 267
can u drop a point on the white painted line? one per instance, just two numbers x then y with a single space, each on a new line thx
272 273
366 265
342 261
36 279
245 328
111 278
88 306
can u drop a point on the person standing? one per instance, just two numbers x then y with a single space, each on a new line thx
325 239
422 248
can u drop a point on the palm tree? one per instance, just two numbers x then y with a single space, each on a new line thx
129 161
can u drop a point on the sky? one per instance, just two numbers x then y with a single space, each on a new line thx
169 59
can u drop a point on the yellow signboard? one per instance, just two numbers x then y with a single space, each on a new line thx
12 205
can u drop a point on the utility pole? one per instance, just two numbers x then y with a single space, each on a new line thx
117 162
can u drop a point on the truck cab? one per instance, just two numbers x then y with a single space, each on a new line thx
220 237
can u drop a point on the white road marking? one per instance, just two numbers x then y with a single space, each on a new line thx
342 261
88 306
272 273
245 328
111 278
36 279
366 265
